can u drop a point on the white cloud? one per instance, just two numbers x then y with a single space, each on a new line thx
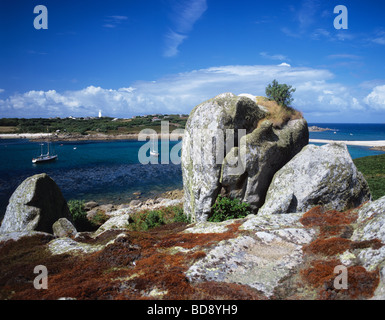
173 40
379 37
316 93
376 99
114 21
307 12
344 56
1 90
185 14
273 56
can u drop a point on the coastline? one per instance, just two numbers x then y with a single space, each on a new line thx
380 144
89 137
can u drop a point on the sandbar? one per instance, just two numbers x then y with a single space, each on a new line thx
376 143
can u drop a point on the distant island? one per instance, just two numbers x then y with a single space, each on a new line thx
319 129
86 127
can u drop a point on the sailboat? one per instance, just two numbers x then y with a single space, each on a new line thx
47 157
153 152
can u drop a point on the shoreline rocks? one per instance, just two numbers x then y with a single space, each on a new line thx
34 206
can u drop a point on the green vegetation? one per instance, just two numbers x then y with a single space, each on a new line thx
149 219
226 209
281 93
373 169
79 216
89 125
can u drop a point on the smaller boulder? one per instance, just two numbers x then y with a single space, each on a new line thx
114 223
90 205
34 206
135 203
324 175
63 228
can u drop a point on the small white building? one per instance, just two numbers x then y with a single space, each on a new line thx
100 113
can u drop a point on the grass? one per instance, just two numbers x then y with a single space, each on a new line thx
225 209
150 219
373 169
8 129
79 216
277 114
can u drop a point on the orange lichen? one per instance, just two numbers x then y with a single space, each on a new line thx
328 247
211 290
331 222
334 229
361 283
129 268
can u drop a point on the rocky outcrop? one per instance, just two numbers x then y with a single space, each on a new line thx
259 259
216 154
277 256
370 226
266 150
64 228
323 175
35 205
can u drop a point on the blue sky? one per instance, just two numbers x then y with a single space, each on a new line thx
138 57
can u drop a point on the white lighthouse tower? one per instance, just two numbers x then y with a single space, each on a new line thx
100 113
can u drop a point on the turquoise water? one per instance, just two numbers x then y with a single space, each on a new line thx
352 132
110 172
101 171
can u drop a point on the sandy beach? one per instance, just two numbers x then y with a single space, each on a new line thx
378 145
24 135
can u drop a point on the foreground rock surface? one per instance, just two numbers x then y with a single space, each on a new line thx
35 205
277 256
323 175
245 170
259 259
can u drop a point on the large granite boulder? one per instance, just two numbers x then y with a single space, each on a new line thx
324 175
230 147
265 151
35 205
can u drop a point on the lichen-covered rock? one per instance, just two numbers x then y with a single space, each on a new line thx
63 228
266 150
224 149
260 259
18 235
35 205
323 175
370 226
116 222
371 221
203 147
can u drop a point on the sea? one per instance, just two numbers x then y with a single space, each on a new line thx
110 171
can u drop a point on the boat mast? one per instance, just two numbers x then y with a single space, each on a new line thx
47 142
